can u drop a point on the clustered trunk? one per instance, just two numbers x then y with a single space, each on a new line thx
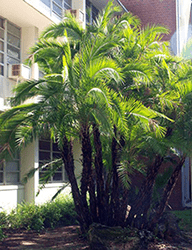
67 157
87 181
108 198
167 192
139 210
99 168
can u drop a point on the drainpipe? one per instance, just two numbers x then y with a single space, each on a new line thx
123 7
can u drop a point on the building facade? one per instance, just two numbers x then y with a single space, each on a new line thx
21 23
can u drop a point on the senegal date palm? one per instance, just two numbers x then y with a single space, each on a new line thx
97 88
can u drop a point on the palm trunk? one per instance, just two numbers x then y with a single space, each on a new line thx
87 180
167 192
99 175
114 204
67 157
138 214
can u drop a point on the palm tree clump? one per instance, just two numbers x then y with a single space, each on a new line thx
115 88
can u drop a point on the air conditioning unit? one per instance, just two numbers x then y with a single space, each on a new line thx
19 70
78 14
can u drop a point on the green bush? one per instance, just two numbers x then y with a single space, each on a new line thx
3 224
60 212
68 214
3 220
26 215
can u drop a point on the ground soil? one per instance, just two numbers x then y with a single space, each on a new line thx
68 238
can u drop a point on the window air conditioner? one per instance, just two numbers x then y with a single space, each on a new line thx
19 70
78 14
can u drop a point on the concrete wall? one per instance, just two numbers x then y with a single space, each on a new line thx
10 196
29 161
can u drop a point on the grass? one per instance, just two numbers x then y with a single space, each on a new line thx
186 219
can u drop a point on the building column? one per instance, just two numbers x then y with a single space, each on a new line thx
30 161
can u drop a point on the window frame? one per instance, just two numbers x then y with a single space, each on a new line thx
3 164
62 7
7 44
51 152
93 13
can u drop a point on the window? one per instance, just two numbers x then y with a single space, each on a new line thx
57 6
9 171
92 12
10 39
49 151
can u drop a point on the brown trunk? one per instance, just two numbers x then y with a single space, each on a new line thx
99 175
67 157
87 181
114 205
123 208
167 192
138 213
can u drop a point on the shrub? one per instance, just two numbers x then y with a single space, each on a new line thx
3 223
26 215
59 212
3 220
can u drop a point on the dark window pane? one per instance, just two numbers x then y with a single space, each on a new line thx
66 176
2 23
68 2
12 178
88 3
13 52
44 156
13 40
55 147
1 58
1 166
59 2
67 7
11 60
1 34
1 46
59 169
1 177
95 12
57 177
12 166
44 145
57 9
56 155
1 70
13 29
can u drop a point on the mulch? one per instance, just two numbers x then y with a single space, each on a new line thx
69 238
58 238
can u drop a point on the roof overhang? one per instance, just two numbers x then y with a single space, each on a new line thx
21 13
